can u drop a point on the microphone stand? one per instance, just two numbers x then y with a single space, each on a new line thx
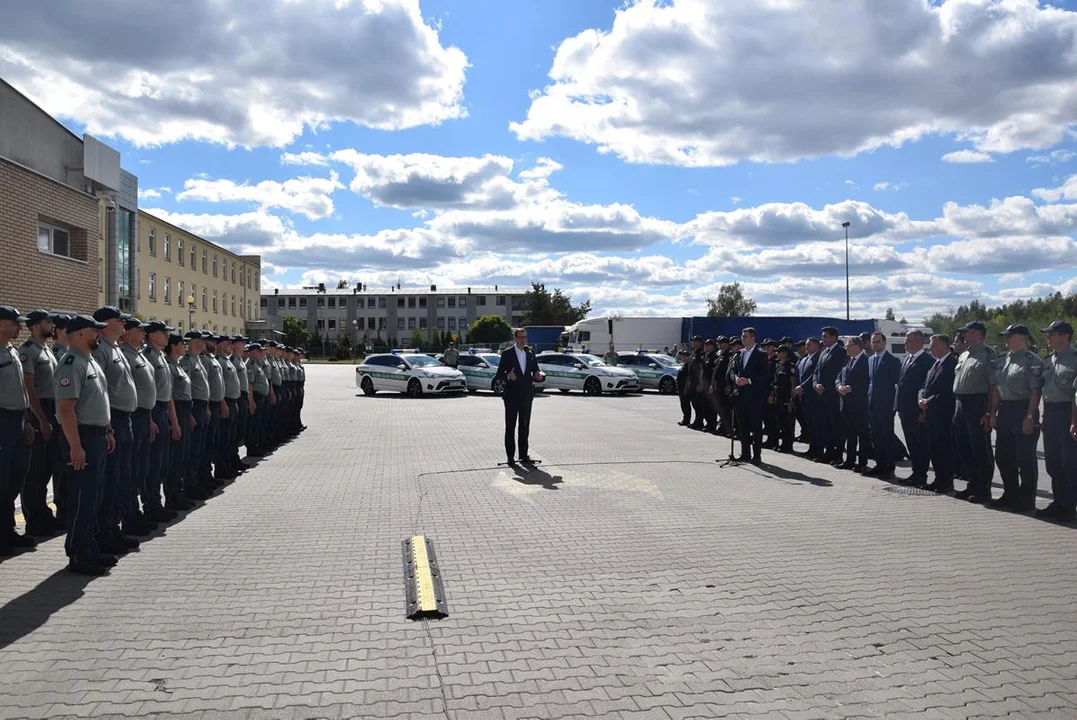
732 460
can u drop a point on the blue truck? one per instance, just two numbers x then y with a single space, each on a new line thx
796 327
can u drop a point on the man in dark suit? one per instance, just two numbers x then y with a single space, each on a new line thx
852 386
807 400
750 374
914 372
831 362
518 368
937 403
884 371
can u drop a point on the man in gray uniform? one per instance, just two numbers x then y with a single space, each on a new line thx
975 378
177 496
261 389
123 401
226 447
16 433
239 357
82 406
38 367
134 521
218 409
60 469
165 423
1059 446
1016 400
277 400
299 353
193 485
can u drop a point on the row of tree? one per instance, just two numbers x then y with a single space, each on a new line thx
1036 314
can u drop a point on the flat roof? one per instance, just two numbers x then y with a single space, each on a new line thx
405 291
253 259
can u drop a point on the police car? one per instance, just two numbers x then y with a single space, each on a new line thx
480 370
580 371
654 370
407 372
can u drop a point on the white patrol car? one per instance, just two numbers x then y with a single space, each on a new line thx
579 371
411 373
654 370
480 371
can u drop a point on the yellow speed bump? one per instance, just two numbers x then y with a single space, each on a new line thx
422 580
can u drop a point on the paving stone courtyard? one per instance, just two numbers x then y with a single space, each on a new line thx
629 576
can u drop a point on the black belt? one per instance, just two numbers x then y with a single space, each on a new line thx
183 403
93 429
1057 402
1015 402
141 411
12 413
160 404
122 413
204 402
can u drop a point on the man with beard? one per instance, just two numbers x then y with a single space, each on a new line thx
38 367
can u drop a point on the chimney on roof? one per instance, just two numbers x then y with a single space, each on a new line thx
321 287
276 291
469 291
398 285
433 288
495 288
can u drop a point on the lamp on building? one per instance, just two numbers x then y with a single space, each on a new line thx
190 312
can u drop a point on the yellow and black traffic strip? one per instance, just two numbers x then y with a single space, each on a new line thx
422 580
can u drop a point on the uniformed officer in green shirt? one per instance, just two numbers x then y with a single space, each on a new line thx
239 360
178 489
451 356
82 406
1015 402
277 399
166 427
218 409
38 367
975 377
123 401
143 430
261 388
192 364
299 354
224 463
1059 445
16 433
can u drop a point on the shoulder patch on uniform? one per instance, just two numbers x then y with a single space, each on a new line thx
65 381
69 360
23 357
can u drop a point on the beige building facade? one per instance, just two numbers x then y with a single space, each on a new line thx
187 281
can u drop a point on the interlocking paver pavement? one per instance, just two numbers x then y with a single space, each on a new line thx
629 577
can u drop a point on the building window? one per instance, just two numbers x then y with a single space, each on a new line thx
500 299
233 306
248 278
400 323
54 240
452 302
441 323
153 287
411 323
422 302
263 303
321 302
370 323
193 248
463 323
452 323
422 322
463 301
321 324
168 248
138 284
291 303
249 309
302 302
280 302
180 299
480 300
168 290
400 302
179 251
214 264
333 303
205 263
370 303
411 302
332 323
214 301
441 302
205 299
233 273
258 283
153 241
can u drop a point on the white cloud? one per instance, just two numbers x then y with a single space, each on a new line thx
1055 157
734 199
1066 191
967 157
236 72
703 83
886 185
309 196
152 193
1011 217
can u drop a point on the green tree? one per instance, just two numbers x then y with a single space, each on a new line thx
294 334
1035 313
730 302
890 313
417 339
342 284
344 345
541 307
490 329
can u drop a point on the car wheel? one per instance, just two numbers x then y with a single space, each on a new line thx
367 386
415 388
498 386
667 386
593 386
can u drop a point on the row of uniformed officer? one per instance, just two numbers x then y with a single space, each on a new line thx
118 410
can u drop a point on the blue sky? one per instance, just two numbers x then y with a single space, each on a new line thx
637 154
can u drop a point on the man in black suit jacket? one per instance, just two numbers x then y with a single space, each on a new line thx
937 403
751 388
518 368
884 371
914 372
852 385
831 362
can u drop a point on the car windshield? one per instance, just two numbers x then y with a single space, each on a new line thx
492 359
591 361
667 361
421 361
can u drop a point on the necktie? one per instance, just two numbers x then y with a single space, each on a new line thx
935 370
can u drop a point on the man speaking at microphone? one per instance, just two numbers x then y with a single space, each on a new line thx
750 391
518 368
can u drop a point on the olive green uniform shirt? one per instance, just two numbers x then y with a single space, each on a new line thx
977 371
181 381
12 383
1059 376
196 373
142 371
122 394
39 361
162 374
81 378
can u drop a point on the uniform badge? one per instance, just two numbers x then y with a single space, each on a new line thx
22 356
65 381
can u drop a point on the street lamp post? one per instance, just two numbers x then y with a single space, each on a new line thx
846 226
355 337
190 312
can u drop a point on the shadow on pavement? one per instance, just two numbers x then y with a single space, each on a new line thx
531 475
28 612
784 474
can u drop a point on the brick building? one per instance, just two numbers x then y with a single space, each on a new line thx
68 214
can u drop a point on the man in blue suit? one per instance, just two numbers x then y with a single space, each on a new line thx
937 403
519 369
831 362
884 372
751 388
852 386
807 400
914 369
